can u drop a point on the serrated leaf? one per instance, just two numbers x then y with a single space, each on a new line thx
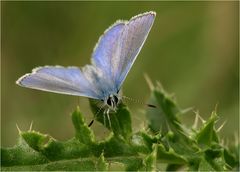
71 149
164 117
214 157
83 133
180 145
142 142
101 164
32 153
151 160
34 139
173 167
169 156
165 120
214 152
229 158
131 163
116 146
116 166
234 151
205 166
119 122
217 164
83 164
21 154
207 135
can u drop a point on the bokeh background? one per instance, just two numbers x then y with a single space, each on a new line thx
192 50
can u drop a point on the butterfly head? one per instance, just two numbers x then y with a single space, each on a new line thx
112 101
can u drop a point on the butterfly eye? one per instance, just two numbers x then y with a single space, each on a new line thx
109 102
115 99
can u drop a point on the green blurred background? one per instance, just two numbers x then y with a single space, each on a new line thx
192 50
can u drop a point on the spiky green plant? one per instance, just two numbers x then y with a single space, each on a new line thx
166 144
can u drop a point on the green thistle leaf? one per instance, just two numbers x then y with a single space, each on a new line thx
165 145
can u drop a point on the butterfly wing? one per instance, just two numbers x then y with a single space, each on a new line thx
57 79
107 49
112 59
133 37
119 46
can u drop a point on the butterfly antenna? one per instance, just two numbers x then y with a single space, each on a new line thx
95 116
138 101
90 124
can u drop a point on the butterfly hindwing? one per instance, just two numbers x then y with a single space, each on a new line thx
70 80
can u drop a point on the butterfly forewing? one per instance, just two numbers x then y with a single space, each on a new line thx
119 46
132 39
107 49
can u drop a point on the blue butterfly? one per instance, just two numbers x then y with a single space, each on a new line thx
112 58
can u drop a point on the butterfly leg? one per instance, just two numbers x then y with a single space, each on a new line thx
109 121
104 118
